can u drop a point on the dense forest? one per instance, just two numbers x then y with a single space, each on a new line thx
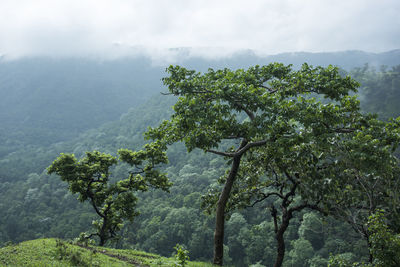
52 106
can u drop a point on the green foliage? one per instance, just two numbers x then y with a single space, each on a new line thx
317 261
63 252
34 204
181 256
300 254
293 146
84 240
343 260
55 252
312 229
258 264
385 244
212 105
89 178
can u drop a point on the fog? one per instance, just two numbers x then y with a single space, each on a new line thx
110 29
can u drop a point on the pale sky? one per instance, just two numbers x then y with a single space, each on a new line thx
111 28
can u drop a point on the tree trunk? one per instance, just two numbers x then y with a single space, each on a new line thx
281 247
220 212
102 233
102 241
280 239
371 257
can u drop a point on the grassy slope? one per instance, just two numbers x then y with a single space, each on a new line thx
53 252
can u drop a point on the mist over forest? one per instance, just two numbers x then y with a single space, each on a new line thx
59 105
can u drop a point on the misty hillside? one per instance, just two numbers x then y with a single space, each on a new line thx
43 100
242 59
233 133
52 106
47 100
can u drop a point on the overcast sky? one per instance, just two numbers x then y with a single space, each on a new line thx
107 28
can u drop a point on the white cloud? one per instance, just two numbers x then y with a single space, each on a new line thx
94 27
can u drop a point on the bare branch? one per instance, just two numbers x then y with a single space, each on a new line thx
265 196
340 130
225 154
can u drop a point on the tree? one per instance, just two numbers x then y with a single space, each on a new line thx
385 245
89 177
324 156
302 252
244 115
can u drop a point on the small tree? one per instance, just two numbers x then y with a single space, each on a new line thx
181 256
89 177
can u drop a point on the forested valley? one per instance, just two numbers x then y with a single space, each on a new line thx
53 106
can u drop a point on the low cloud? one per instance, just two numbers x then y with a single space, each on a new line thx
107 29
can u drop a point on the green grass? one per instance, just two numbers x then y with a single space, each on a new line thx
54 252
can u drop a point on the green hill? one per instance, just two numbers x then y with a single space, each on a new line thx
55 252
35 205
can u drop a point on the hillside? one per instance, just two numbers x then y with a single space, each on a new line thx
36 205
45 101
55 252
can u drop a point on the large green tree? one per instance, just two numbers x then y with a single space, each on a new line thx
229 113
332 159
285 134
89 177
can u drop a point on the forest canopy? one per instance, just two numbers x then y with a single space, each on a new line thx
35 204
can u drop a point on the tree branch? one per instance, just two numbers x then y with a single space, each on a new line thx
340 130
250 145
306 205
265 196
270 90
344 130
248 112
140 171
96 209
292 190
274 214
225 154
240 151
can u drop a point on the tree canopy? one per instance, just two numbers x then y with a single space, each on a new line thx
89 177
296 135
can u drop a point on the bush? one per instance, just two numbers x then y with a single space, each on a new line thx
181 256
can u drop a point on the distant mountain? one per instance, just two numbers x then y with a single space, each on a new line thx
344 59
44 100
